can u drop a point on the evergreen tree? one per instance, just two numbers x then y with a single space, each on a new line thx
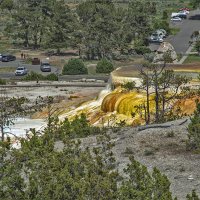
97 20
139 18
142 185
193 196
194 130
61 26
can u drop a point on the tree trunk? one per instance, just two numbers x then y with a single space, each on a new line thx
163 105
157 102
79 52
88 55
40 39
148 107
2 134
145 113
26 40
35 42
58 51
99 54
92 54
156 96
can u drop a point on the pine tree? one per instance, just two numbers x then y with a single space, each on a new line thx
193 141
143 185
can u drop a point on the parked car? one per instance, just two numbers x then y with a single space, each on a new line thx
45 67
195 17
182 15
7 58
174 14
184 12
164 31
20 71
185 9
176 19
161 33
156 38
0 56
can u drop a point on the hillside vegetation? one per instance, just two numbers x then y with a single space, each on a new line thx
96 29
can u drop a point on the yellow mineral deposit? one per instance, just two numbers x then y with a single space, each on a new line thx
89 108
187 105
112 107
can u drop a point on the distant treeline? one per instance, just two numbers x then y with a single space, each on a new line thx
96 28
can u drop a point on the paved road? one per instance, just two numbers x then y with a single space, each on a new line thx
181 41
36 68
15 64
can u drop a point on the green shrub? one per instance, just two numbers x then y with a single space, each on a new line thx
129 150
52 77
140 184
197 46
192 196
149 152
193 141
129 86
74 67
28 60
2 82
165 15
33 76
162 24
78 128
104 66
141 50
170 134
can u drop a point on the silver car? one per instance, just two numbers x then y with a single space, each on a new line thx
176 19
161 32
45 67
156 38
20 71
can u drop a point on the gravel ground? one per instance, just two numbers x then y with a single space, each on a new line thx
81 93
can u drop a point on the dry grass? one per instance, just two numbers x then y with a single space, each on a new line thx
192 59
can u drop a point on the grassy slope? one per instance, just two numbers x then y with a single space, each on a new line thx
192 59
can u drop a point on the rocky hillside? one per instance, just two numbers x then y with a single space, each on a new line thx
163 147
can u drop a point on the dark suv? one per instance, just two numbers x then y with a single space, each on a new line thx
182 16
7 58
45 67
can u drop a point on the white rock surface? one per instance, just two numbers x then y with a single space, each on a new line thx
164 48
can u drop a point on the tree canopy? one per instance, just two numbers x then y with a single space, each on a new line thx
98 29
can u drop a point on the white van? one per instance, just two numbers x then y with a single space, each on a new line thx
175 15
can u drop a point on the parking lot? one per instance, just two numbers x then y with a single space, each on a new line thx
17 63
180 41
